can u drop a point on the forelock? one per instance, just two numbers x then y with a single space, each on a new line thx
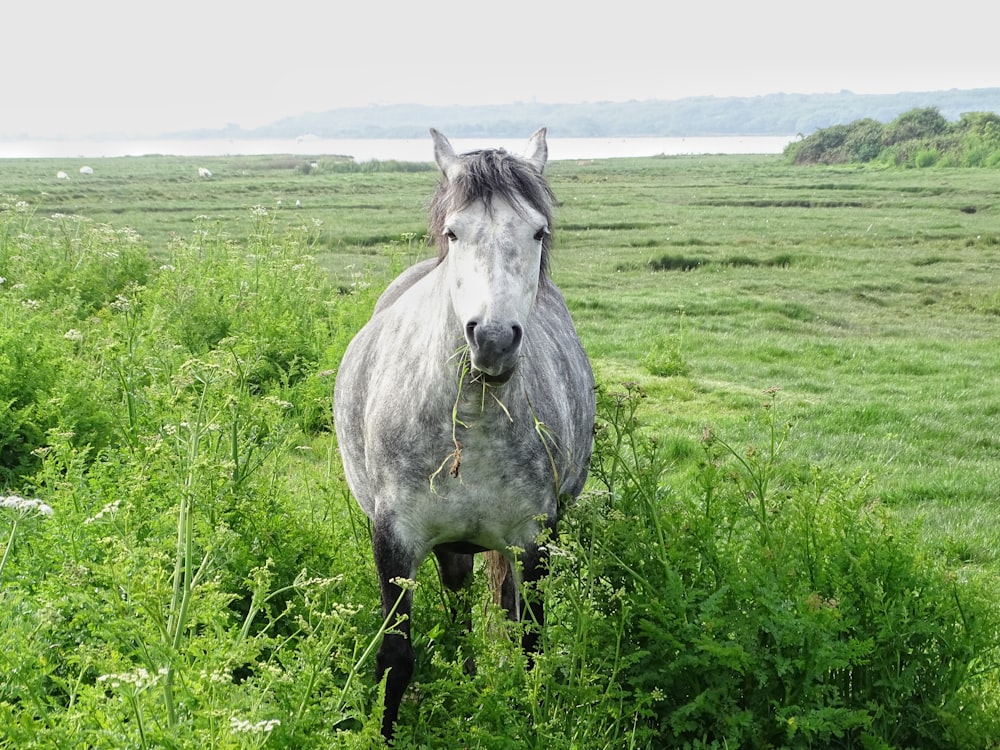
485 176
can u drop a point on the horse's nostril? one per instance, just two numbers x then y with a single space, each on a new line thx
516 329
470 332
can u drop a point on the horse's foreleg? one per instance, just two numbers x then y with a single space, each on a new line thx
395 654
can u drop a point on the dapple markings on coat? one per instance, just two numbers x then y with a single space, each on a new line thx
464 408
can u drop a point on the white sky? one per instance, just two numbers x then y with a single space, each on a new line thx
74 68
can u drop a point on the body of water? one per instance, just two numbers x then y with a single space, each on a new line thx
409 149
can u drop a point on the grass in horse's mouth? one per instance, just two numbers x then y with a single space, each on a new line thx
503 377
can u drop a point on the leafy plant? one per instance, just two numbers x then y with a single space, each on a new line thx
918 137
770 609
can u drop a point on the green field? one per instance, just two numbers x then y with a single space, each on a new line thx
872 298
177 378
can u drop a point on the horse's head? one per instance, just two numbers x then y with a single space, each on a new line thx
492 218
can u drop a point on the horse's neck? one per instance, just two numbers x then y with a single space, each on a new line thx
423 314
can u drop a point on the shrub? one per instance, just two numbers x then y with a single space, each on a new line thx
665 358
179 594
772 609
55 275
864 141
915 125
926 157
919 137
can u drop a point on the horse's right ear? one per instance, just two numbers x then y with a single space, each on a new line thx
444 154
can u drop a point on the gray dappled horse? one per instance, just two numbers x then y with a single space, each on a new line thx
464 408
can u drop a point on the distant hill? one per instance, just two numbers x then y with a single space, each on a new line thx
773 114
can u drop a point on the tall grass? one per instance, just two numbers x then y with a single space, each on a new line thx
183 565
182 590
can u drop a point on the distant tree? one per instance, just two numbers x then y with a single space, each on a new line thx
864 141
916 124
982 124
979 135
822 147
917 138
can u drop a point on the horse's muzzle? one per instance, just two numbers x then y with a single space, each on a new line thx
494 349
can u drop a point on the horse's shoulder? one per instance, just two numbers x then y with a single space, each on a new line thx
404 281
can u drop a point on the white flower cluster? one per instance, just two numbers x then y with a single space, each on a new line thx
109 509
242 725
25 505
139 679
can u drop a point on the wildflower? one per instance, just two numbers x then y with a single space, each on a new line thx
139 679
242 725
2 280
107 510
73 335
280 403
31 304
25 505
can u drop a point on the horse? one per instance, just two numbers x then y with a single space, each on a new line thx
464 408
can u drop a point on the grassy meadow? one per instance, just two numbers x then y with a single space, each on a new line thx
790 537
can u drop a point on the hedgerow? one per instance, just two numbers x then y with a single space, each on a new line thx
917 138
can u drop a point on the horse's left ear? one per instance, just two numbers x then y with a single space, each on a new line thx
538 151
444 154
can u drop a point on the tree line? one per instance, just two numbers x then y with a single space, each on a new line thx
921 137
772 114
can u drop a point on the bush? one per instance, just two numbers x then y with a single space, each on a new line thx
918 138
177 592
926 157
56 275
916 125
665 358
864 141
770 609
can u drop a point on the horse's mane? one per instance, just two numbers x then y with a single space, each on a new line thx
485 175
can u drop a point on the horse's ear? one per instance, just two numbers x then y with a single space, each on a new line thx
444 154
538 151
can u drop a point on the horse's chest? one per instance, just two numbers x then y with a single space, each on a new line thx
489 487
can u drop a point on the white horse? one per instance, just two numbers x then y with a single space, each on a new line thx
464 408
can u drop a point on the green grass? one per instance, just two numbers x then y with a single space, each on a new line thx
868 296
164 198
749 567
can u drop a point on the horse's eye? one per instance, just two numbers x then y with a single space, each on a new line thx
541 233
450 235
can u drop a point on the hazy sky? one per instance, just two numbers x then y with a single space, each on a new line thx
89 67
